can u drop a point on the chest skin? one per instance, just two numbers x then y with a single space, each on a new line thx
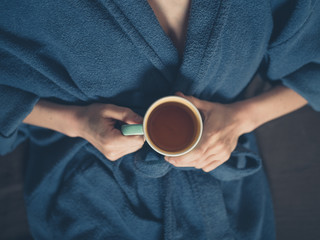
173 18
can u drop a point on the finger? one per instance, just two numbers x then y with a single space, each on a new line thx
185 159
118 145
220 156
126 141
206 161
113 156
133 148
122 113
179 160
116 140
183 164
195 101
117 154
212 165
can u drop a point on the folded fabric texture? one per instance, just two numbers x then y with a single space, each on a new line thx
293 54
115 51
11 135
242 163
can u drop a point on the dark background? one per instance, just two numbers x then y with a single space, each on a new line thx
290 147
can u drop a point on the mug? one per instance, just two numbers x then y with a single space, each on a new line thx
172 126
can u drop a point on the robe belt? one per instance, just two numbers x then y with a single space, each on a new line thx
205 187
243 162
211 208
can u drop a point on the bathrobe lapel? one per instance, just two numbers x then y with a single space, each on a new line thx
201 31
138 22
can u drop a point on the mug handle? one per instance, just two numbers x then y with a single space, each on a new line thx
132 129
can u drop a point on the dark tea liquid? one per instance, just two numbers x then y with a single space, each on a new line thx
172 127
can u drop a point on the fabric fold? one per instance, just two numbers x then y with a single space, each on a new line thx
293 56
21 102
242 163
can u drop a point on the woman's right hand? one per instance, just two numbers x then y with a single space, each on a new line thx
97 125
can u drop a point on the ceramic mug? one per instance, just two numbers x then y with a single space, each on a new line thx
172 126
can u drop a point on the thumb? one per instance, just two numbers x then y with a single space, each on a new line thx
122 114
195 101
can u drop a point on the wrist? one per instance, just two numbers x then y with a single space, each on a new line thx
74 121
245 115
60 118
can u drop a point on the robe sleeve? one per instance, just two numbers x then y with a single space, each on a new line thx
293 56
15 103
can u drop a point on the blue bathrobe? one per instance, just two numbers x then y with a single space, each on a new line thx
115 51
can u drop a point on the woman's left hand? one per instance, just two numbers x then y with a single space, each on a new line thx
222 126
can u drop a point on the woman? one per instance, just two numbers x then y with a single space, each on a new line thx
73 70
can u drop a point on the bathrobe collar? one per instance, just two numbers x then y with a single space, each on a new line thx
139 23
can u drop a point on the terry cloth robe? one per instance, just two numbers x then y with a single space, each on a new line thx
114 51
